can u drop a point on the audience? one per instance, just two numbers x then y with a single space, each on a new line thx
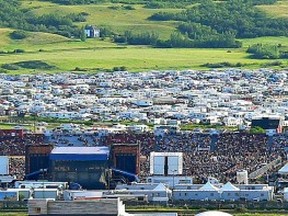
218 155
14 147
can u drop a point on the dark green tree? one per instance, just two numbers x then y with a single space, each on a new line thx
82 34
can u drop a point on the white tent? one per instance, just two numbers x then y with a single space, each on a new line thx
213 213
284 170
161 187
229 187
208 187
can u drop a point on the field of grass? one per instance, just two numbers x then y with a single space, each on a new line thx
259 214
266 40
13 214
192 211
47 42
94 55
133 58
280 9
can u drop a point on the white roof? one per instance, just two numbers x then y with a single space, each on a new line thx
161 187
229 187
213 213
208 187
80 150
284 169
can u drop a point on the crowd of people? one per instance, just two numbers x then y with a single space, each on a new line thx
15 145
14 148
17 166
204 154
218 155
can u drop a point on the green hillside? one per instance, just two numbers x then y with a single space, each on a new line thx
63 53
109 15
94 55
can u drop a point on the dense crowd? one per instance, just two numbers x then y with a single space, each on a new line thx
14 147
218 155
17 166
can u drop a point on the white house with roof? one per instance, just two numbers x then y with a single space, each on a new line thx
92 31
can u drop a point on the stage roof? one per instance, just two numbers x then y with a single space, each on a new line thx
80 153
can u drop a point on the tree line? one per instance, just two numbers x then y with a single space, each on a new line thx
214 25
240 17
178 40
207 24
75 2
264 51
219 24
151 3
13 17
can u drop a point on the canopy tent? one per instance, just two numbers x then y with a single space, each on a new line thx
284 170
208 187
161 187
229 187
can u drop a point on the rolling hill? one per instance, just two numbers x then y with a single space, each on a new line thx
95 55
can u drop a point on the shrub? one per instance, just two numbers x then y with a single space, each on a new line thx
120 39
36 64
10 67
18 35
241 209
121 68
273 63
128 7
222 65
18 51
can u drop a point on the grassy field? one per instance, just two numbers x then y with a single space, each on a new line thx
13 214
119 20
280 9
266 40
133 58
94 55
259 214
182 211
